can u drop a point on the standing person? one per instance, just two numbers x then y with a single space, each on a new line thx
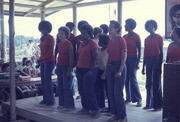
47 62
105 28
86 72
173 52
133 58
64 70
96 32
101 84
153 57
116 72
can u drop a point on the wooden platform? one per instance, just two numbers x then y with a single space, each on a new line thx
30 109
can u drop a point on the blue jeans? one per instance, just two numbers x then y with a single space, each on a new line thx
153 83
46 81
64 87
131 84
86 86
115 90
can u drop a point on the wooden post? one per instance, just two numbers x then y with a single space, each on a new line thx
12 61
75 19
3 56
119 7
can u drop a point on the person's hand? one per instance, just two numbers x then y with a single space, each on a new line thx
103 76
143 71
137 65
118 74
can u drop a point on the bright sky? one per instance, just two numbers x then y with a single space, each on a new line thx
140 10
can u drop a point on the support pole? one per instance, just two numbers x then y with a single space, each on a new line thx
42 15
119 6
75 19
2 38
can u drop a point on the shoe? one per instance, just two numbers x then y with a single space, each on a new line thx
114 118
146 107
61 107
42 102
97 115
127 102
157 109
122 120
82 112
139 104
69 109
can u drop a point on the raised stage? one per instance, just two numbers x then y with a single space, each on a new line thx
30 109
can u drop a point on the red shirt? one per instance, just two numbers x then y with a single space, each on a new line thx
63 50
116 46
131 41
47 48
152 46
173 53
85 54
79 40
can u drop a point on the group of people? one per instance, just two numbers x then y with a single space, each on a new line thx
103 62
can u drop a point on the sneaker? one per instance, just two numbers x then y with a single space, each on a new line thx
61 107
122 120
146 107
42 102
114 118
157 109
69 109
82 112
95 115
139 104
127 102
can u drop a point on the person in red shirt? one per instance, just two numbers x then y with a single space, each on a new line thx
64 69
133 57
47 60
173 52
116 72
86 72
153 57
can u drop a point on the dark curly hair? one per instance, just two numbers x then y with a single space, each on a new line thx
97 30
88 28
172 13
116 25
104 38
81 23
153 22
45 25
66 30
105 28
131 23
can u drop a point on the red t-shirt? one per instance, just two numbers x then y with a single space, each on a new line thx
152 46
131 43
85 54
79 40
116 46
47 48
63 50
173 53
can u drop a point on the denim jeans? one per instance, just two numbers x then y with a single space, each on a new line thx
131 84
65 92
86 86
115 90
46 81
153 83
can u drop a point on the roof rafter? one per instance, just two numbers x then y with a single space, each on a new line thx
23 5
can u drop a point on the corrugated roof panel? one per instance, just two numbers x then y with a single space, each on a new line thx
57 3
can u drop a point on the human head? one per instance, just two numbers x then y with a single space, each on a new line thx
70 25
81 23
28 63
175 35
174 15
24 60
130 24
114 27
45 27
63 30
5 67
103 40
105 28
97 31
87 31
151 26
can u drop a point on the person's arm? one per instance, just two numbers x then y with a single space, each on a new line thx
56 49
144 64
71 61
138 44
123 61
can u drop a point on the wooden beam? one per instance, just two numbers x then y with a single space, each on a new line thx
21 14
2 38
51 13
41 5
12 61
23 5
